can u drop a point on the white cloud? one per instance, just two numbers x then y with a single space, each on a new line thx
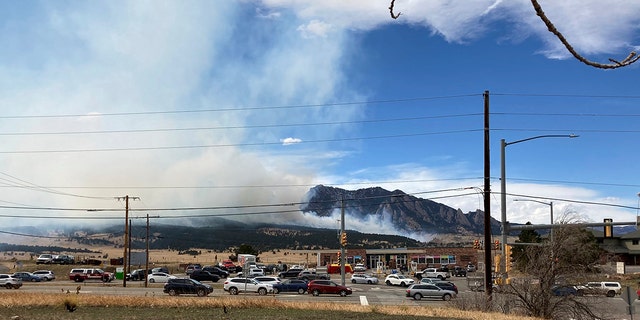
290 141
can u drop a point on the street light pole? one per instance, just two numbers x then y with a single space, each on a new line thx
503 185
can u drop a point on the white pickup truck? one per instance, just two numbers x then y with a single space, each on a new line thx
432 273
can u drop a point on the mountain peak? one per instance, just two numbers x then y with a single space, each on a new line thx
406 213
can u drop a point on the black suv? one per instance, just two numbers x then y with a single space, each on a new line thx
217 271
138 275
178 286
203 275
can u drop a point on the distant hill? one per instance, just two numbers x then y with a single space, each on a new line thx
406 212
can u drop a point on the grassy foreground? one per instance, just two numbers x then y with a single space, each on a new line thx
52 306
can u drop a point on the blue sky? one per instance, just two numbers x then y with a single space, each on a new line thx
190 104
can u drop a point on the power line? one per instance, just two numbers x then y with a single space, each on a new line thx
241 144
336 104
280 125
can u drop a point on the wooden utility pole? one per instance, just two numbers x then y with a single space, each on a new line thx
125 261
146 264
488 279
342 249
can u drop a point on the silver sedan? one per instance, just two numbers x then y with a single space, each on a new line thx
159 277
363 278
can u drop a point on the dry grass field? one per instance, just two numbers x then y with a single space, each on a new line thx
25 305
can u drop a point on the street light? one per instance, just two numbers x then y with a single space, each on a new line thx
503 186
550 204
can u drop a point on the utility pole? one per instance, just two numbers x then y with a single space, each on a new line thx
342 251
125 261
488 281
146 264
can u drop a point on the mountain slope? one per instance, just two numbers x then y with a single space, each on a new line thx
406 212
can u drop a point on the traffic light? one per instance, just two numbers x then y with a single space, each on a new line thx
476 244
496 245
507 253
343 239
608 228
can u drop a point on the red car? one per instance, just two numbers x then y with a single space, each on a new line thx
316 287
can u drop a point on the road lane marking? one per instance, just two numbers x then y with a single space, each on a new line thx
364 301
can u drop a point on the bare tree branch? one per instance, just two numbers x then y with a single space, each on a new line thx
394 16
631 58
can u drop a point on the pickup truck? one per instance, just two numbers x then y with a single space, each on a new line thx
308 275
82 274
607 288
432 273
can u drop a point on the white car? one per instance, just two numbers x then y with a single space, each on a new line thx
9 282
363 278
236 285
360 268
47 275
44 259
269 280
256 272
159 277
398 280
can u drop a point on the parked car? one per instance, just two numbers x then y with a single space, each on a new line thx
236 285
363 278
419 291
291 273
459 271
178 286
608 288
291 285
47 275
160 269
308 275
256 272
428 281
447 286
202 275
229 266
317 287
359 268
138 275
269 280
398 280
159 277
440 273
562 291
44 259
63 259
9 282
217 271
27 277
192 267
82 274
471 268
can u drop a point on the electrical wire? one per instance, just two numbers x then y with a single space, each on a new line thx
242 144
280 125
335 104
